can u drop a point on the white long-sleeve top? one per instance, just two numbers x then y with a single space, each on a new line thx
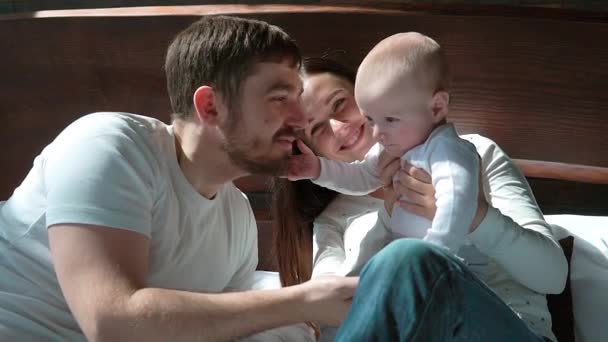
453 164
524 261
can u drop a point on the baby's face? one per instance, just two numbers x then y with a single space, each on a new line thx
400 114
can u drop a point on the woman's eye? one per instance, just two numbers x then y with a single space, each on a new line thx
279 99
338 105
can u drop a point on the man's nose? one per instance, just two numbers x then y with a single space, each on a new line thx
298 117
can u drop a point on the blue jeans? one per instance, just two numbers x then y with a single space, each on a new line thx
414 291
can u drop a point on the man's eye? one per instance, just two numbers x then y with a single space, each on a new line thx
279 98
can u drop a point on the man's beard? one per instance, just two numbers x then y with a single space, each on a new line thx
240 153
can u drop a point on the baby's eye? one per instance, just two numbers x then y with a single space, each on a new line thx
390 119
369 119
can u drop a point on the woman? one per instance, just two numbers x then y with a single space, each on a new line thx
411 290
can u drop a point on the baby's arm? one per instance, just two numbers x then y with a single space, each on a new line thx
455 172
357 178
303 166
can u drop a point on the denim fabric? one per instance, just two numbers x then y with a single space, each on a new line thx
414 291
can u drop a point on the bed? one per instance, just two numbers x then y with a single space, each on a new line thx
535 80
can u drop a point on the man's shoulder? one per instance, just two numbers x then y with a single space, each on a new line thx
101 122
130 138
116 129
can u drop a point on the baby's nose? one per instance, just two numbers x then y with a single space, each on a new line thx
377 134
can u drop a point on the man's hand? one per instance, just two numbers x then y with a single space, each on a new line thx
329 297
305 165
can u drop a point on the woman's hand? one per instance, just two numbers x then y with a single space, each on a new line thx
409 181
416 185
388 166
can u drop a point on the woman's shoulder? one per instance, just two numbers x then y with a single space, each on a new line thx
479 141
487 148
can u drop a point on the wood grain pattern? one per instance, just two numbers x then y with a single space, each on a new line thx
563 171
534 82
327 6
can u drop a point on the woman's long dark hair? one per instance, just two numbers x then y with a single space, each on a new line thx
295 205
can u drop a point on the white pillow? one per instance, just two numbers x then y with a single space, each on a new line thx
588 273
264 280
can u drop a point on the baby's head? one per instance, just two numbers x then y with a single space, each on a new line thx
403 87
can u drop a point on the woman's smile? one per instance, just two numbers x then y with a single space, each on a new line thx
353 138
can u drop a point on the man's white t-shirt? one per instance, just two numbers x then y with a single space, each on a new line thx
121 171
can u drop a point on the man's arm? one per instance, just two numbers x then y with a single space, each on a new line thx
102 273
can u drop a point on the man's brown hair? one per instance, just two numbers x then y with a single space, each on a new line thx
220 51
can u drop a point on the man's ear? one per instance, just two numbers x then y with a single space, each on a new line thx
440 106
205 105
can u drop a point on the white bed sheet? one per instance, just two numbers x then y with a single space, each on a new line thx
588 273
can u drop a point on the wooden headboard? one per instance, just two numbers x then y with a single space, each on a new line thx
533 80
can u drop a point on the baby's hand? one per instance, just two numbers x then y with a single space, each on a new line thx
303 166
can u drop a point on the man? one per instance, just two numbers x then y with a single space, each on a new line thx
129 229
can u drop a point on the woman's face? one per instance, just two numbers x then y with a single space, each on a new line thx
338 130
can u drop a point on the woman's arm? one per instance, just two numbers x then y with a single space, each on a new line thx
358 231
511 230
327 246
514 232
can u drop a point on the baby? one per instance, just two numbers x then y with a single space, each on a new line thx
402 87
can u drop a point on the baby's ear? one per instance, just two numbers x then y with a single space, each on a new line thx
440 106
